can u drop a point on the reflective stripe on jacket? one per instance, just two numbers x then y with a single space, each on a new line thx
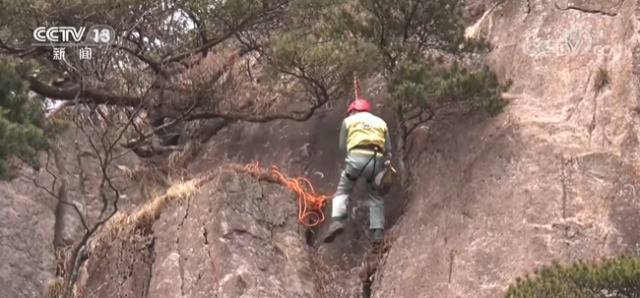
364 128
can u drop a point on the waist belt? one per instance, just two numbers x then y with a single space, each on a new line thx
367 149
366 152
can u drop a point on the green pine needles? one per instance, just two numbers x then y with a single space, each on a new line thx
22 119
420 83
615 277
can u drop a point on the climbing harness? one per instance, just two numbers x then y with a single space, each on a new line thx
373 157
310 203
383 179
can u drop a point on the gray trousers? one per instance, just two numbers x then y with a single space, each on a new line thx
354 164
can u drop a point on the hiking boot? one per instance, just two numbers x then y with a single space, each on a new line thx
335 228
377 238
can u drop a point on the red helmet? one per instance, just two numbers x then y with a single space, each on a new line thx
360 104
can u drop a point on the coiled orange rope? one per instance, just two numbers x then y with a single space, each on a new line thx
310 203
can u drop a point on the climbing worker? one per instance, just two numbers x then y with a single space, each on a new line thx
365 138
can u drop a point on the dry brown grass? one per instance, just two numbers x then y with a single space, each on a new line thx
144 216
150 178
54 287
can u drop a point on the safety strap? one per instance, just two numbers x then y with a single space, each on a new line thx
373 171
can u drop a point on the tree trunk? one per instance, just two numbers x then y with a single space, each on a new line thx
60 222
401 154
62 210
402 157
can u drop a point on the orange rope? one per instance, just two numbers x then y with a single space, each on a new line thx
310 203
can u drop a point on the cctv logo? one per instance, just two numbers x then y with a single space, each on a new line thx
69 36
58 34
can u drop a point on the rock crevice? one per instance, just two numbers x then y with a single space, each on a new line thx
602 7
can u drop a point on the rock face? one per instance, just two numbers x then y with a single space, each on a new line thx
554 177
26 242
240 239
237 237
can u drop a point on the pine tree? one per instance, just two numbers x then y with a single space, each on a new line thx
615 277
21 119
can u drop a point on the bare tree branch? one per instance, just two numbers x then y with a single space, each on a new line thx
232 31
157 68
300 116
425 116
76 91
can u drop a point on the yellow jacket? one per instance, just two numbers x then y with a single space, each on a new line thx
364 128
